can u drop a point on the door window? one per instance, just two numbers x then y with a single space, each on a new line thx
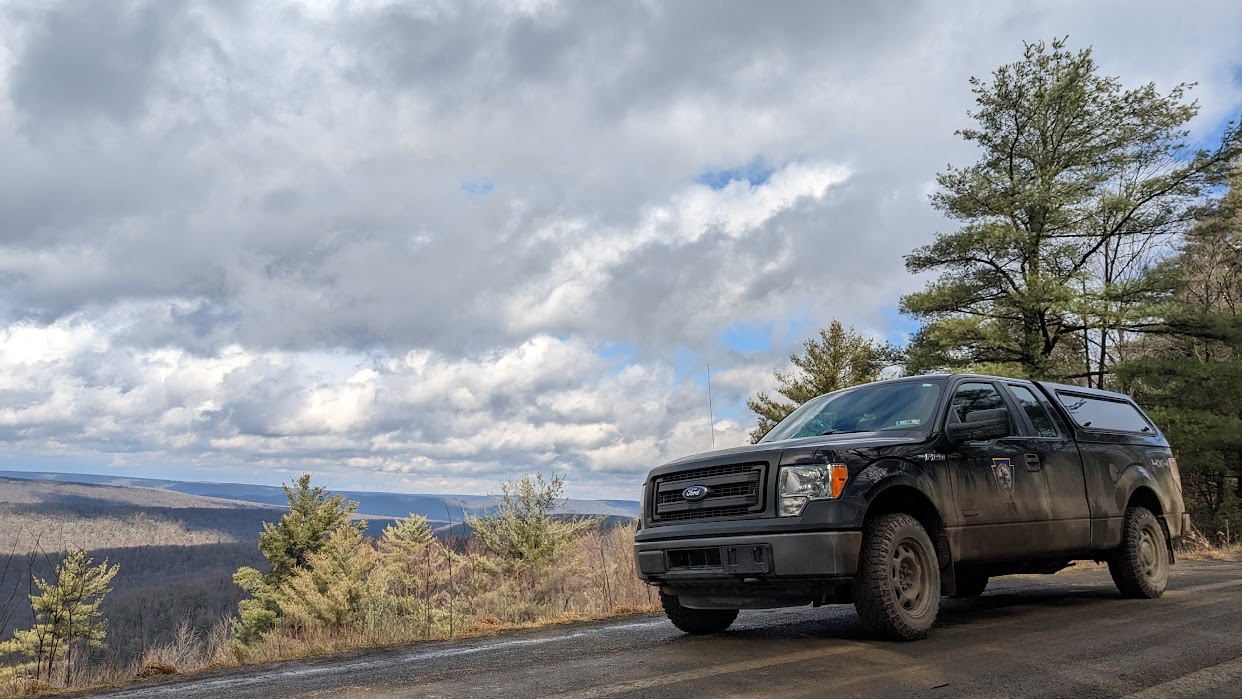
1040 420
972 397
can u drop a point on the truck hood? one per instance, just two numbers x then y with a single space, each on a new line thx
771 452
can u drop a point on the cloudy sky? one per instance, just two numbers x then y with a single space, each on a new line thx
424 246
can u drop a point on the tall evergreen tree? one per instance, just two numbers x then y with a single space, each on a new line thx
1188 369
838 359
1077 181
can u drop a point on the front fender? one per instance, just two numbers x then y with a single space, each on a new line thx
930 481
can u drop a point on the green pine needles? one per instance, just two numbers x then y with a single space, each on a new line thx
67 621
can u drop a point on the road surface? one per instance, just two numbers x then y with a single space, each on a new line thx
1068 635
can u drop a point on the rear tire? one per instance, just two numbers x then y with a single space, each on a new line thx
897 587
696 621
970 586
1140 566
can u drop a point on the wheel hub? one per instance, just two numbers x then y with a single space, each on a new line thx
1149 553
909 577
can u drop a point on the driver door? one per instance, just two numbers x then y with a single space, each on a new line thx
993 492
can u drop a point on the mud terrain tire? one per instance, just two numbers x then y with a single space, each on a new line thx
1140 566
897 586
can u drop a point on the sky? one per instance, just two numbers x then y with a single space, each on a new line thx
429 246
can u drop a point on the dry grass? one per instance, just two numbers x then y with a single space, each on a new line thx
325 642
1197 547
1231 552
187 652
471 594
1194 547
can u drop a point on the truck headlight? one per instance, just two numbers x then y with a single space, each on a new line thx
802 484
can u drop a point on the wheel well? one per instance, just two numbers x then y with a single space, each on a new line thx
1146 497
906 500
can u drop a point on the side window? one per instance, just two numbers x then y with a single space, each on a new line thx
1057 420
1040 419
970 397
1103 414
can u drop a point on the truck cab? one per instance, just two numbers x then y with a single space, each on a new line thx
892 494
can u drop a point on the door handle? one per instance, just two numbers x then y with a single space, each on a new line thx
1033 463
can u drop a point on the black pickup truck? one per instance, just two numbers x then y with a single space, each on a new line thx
892 494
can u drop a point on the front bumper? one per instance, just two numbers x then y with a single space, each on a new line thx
765 557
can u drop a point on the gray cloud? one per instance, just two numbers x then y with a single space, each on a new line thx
84 61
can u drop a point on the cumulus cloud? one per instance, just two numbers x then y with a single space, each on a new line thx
459 422
426 245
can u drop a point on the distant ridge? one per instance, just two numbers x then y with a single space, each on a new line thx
440 508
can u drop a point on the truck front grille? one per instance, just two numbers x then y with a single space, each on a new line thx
733 491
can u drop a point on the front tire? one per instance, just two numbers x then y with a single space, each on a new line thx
897 587
696 621
1140 566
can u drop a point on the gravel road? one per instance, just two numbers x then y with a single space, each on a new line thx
1068 635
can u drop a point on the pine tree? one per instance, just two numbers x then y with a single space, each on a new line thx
1188 368
1077 184
840 358
414 578
523 529
67 618
313 516
335 587
259 613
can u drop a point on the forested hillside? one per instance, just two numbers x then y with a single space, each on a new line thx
436 508
47 516
176 552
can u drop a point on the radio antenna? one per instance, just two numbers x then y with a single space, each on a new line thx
711 416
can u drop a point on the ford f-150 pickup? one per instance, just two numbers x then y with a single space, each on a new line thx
893 494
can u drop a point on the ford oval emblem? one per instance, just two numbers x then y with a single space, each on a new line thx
694 493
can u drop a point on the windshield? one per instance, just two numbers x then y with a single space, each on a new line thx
899 405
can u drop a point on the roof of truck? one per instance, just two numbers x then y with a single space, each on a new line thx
1047 385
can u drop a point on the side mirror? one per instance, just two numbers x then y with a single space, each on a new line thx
979 426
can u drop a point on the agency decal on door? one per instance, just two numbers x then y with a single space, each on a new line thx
1002 468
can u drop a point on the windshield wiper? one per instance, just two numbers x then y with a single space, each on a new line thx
824 434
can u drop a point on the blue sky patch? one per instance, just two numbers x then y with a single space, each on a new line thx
478 188
685 363
622 354
748 337
756 172
897 327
